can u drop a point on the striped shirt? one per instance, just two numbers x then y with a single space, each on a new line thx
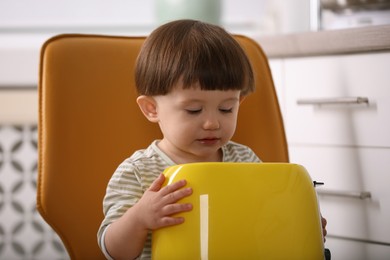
134 176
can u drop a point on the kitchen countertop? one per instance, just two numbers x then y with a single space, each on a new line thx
344 41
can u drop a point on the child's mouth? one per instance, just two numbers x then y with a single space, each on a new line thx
209 141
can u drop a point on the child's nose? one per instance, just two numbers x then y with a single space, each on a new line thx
211 123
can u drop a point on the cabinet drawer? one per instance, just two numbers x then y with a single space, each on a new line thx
334 77
352 250
346 170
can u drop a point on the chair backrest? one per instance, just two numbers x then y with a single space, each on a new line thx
89 122
244 211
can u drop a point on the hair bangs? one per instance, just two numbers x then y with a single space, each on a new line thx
192 53
216 63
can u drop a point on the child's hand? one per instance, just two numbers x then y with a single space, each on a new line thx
323 223
157 205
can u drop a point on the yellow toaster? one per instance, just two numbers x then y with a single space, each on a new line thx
243 211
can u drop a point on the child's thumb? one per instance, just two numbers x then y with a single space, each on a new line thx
157 183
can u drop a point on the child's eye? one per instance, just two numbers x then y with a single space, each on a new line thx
193 111
226 110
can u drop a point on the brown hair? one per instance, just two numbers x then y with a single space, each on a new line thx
193 52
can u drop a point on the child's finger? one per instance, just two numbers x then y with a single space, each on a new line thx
157 183
176 195
177 208
173 187
170 221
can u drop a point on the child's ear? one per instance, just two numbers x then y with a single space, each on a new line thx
148 106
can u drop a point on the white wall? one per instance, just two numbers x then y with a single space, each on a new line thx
26 24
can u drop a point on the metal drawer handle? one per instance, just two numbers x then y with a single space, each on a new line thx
345 194
362 240
333 101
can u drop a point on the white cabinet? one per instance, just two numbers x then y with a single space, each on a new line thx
277 69
344 142
342 249
329 79
347 169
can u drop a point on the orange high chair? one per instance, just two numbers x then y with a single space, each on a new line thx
89 122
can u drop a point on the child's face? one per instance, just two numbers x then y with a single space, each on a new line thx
195 123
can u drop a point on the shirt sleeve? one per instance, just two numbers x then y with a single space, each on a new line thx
123 191
103 246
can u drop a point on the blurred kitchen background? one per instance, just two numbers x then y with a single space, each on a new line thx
25 25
